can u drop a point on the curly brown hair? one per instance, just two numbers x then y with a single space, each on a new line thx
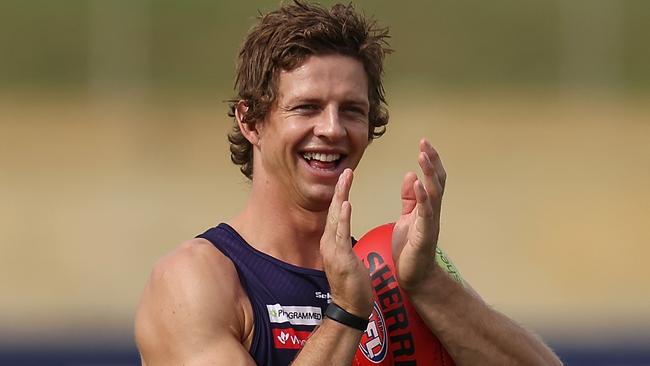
283 40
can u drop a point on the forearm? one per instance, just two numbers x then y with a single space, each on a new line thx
331 343
471 331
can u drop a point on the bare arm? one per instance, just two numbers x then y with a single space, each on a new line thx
192 311
331 343
471 331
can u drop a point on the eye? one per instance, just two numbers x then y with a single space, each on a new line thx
305 108
355 110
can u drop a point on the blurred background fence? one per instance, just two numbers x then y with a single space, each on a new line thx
113 151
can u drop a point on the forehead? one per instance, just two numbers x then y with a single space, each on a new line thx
337 77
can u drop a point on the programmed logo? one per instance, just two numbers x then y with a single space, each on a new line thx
374 341
295 315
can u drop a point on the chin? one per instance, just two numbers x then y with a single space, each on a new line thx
319 198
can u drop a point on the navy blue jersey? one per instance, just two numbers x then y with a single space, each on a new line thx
288 301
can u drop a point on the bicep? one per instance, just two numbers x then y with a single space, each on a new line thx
189 313
224 350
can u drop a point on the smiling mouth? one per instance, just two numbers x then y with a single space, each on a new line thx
322 160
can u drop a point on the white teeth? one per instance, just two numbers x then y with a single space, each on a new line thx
321 157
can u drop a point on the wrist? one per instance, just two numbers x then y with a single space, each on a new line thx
343 317
426 282
361 309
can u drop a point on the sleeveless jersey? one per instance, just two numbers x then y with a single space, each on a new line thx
288 301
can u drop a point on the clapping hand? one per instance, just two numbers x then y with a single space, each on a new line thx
349 279
415 235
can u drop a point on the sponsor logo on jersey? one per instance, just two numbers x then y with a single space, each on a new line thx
289 338
295 315
374 341
323 295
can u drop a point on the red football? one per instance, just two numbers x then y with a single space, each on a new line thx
396 333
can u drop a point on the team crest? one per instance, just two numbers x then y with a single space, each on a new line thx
374 341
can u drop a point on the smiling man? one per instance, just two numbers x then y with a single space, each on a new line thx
279 283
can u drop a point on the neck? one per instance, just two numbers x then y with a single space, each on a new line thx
273 224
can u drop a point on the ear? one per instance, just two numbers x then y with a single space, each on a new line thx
248 129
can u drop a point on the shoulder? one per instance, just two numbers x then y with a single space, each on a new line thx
195 257
196 270
192 292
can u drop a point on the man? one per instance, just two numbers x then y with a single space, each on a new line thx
255 290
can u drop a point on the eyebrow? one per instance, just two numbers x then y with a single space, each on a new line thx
313 100
362 103
301 100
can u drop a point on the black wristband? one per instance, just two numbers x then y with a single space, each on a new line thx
339 314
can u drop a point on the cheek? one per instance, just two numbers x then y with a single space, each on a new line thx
294 131
283 138
359 135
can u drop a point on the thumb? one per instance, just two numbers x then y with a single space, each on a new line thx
409 200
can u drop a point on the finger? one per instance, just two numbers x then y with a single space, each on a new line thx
335 206
431 180
343 241
425 222
425 211
434 157
347 184
408 194
341 194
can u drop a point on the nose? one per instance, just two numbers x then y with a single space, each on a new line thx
330 125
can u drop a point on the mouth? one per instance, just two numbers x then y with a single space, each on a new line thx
323 161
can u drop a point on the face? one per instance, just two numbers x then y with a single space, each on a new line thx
317 127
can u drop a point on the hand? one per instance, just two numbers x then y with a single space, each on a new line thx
348 278
415 235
